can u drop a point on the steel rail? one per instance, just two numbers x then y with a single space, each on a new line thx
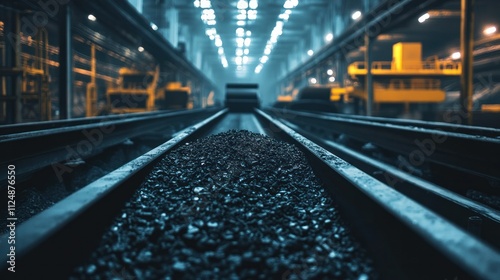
33 126
31 151
456 208
51 242
419 243
448 127
470 154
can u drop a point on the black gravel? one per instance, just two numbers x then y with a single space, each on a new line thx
229 206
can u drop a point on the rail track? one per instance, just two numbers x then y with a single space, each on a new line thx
408 238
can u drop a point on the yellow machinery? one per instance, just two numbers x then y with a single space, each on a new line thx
91 93
135 92
405 79
35 95
175 96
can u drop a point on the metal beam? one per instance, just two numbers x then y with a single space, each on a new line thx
369 77
467 48
65 63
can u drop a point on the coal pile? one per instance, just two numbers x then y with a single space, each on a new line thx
229 206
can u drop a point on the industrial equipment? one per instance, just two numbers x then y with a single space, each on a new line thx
136 91
174 96
242 97
406 79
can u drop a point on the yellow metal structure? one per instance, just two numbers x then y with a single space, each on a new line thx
405 79
493 108
35 80
284 98
179 97
91 94
136 91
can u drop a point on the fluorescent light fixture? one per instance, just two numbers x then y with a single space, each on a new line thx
253 4
240 23
248 33
267 51
329 72
245 59
329 37
241 17
240 32
456 55
154 26
91 17
247 42
284 17
242 5
238 60
252 14
331 79
205 4
310 52
140 49
258 68
424 17
356 15
239 52
221 51
288 12
240 42
264 59
490 30
196 3
246 51
218 42
211 22
313 80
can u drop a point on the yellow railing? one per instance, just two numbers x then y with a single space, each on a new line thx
423 67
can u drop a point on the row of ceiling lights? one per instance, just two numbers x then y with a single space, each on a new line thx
277 31
247 11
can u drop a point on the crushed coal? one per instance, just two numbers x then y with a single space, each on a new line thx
229 206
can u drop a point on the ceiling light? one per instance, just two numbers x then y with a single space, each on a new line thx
205 4
240 42
238 60
140 49
252 14
247 42
456 55
242 5
246 51
313 80
249 33
218 42
240 22
258 68
245 59
253 4
264 59
221 51
239 52
154 26
329 72
329 37
240 32
356 15
267 51
284 17
288 12
423 17
211 22
197 3
91 17
489 30
331 79
241 16
310 52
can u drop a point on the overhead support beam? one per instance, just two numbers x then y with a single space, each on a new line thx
467 48
65 63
